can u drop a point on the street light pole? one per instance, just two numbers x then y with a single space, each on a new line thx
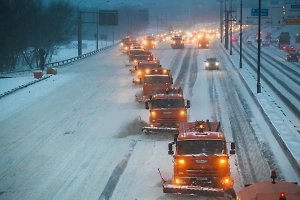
258 53
79 41
221 20
241 34
113 33
131 18
97 25
231 27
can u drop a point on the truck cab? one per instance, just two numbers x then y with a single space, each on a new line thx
142 56
201 157
167 110
144 67
284 38
156 81
177 42
203 43
149 42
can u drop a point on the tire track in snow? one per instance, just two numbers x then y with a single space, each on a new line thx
212 91
253 166
175 61
180 80
193 72
114 178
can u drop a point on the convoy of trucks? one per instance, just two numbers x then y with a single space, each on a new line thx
200 150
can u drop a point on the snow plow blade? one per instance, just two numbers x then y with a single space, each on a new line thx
198 190
160 130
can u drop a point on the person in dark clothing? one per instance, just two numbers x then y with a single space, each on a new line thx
42 53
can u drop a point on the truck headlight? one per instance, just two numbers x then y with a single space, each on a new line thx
222 161
153 113
206 64
181 161
217 64
182 112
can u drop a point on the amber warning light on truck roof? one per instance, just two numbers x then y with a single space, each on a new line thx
282 196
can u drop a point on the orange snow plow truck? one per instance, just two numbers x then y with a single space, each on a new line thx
201 161
270 190
166 111
143 68
155 81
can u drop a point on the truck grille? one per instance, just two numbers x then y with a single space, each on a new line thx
206 172
209 182
169 122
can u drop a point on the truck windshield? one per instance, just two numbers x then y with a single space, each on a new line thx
167 103
143 57
208 147
147 66
156 79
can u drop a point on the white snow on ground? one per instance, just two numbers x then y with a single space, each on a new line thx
75 146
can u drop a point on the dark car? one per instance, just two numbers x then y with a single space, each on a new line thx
292 57
211 63
268 36
274 40
265 43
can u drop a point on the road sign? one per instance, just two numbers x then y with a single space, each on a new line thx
108 17
269 16
263 12
292 11
103 37
292 21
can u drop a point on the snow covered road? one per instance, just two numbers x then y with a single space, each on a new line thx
81 138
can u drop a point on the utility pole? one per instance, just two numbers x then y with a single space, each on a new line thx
226 26
79 28
221 20
113 32
97 25
258 48
241 33
231 27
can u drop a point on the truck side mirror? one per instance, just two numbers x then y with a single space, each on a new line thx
175 137
147 105
171 80
232 145
232 150
170 147
188 104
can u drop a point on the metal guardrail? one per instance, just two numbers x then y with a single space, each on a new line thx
275 131
54 64
71 60
63 62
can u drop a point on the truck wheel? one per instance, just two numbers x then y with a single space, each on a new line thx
230 192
